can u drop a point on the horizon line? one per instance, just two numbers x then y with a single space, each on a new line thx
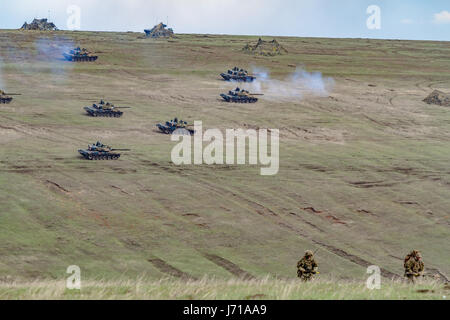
236 35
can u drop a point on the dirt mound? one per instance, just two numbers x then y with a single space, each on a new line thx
39 24
439 98
159 31
265 48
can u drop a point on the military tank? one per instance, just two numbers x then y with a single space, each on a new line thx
100 151
105 110
239 75
5 97
175 124
240 96
79 55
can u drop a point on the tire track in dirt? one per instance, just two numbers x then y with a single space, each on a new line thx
380 123
166 268
42 132
279 221
64 192
229 266
306 222
27 131
325 215
259 208
420 83
439 274
374 184
58 186
391 100
432 84
360 261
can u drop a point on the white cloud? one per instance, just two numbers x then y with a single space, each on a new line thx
442 17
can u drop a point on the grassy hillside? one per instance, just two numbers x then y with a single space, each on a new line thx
364 172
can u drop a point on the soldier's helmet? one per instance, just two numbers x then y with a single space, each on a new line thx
417 254
309 253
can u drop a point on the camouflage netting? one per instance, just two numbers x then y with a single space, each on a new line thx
265 48
439 98
159 31
39 24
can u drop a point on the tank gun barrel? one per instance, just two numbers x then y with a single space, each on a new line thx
13 94
120 149
122 107
257 94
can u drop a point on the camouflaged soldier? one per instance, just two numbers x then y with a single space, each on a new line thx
307 266
414 266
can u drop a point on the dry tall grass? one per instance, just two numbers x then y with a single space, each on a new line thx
219 289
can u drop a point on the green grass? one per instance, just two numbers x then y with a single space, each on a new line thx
371 161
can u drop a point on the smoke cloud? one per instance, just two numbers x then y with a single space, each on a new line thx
48 50
294 87
52 49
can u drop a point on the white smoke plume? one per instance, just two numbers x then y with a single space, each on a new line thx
48 51
294 87
51 49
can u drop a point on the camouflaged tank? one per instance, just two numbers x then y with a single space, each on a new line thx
240 96
79 55
239 75
105 110
100 151
175 124
4 98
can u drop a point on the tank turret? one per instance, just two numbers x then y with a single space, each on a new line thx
6 97
79 55
240 96
100 151
180 126
239 75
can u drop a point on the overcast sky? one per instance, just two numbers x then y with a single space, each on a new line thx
400 19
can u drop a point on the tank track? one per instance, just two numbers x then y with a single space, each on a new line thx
5 100
106 114
170 130
81 59
238 100
99 156
228 77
